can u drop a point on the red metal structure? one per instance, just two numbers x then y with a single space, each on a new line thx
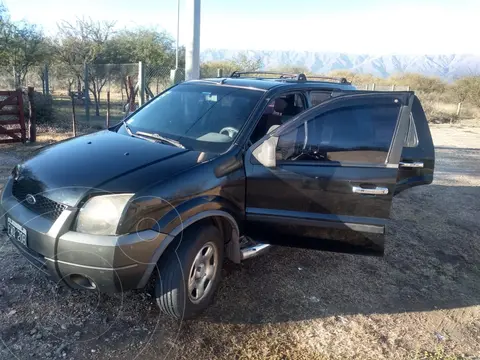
11 114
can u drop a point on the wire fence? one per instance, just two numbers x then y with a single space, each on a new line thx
58 87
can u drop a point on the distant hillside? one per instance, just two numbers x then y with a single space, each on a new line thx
445 66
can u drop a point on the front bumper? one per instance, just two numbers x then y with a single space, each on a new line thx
111 263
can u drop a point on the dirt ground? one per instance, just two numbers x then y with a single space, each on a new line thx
422 300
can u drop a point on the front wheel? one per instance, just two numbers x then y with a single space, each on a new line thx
189 276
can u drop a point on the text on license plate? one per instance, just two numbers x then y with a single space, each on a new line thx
16 231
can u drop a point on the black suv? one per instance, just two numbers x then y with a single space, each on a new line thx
218 168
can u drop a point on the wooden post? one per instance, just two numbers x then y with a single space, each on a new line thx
132 94
459 108
74 120
108 109
393 87
408 88
46 80
373 87
32 124
219 73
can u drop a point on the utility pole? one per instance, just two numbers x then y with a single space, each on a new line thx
192 53
178 34
175 74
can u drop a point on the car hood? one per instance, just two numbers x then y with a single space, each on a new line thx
102 162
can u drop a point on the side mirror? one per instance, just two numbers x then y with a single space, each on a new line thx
265 153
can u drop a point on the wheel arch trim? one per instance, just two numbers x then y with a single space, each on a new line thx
184 225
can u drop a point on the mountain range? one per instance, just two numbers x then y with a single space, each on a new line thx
445 66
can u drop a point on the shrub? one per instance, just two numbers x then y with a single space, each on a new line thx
43 107
420 83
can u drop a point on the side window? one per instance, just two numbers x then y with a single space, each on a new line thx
317 97
353 135
411 138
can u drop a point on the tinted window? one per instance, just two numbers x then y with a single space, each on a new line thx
354 134
317 97
194 115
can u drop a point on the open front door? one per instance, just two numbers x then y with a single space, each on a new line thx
326 179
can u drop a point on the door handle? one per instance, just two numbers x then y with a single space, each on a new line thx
416 164
372 191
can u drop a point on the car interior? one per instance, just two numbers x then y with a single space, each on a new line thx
278 112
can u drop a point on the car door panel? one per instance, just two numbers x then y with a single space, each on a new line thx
329 205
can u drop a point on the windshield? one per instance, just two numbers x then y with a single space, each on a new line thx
199 117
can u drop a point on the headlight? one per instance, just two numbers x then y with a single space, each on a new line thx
100 215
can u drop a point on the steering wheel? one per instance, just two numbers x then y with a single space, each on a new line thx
230 131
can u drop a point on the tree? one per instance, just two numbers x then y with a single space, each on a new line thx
472 87
421 83
22 45
86 42
245 63
462 88
155 48
241 62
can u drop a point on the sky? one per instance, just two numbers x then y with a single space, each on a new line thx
374 27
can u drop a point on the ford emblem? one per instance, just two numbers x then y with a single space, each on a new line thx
30 199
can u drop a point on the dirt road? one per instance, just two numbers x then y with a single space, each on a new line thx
423 296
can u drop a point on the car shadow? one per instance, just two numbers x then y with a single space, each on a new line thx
431 262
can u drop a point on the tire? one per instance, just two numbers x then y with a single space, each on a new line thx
175 272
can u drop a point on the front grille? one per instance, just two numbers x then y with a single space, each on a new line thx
43 206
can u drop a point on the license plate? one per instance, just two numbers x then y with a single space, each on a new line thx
16 232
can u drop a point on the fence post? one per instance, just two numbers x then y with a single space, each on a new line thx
408 87
373 87
141 84
85 92
108 109
219 73
46 81
74 120
131 90
393 87
459 108
32 124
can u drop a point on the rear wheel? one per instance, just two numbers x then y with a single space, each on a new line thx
189 276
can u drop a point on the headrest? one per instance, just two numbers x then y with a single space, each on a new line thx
280 105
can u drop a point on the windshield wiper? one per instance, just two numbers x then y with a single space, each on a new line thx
127 127
160 138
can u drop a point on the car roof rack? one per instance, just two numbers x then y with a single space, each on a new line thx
282 76
279 75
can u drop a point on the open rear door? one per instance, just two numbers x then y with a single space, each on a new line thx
325 180
417 162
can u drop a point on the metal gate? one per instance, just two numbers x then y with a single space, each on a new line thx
12 119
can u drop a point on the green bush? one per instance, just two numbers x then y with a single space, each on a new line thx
43 108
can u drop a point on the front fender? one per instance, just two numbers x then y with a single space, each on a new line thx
193 210
188 213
